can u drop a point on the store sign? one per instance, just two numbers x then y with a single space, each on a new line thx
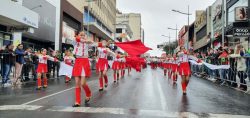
241 14
201 19
242 32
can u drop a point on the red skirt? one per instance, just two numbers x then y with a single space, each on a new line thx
116 65
122 65
184 69
81 68
102 64
174 67
42 68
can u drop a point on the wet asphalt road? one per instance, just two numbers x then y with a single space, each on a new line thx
140 95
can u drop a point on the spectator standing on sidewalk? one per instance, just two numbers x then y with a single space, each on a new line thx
223 59
8 59
232 70
241 67
19 63
28 66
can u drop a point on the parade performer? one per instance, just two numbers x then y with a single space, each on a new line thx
81 69
116 65
165 64
103 64
42 68
123 66
184 68
170 66
174 68
68 59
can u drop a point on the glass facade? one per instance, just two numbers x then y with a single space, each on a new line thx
231 10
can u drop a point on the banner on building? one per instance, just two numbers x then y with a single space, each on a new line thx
17 38
200 20
241 14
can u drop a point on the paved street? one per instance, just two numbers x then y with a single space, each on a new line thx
148 95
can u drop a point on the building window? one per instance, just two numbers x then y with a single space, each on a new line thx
118 30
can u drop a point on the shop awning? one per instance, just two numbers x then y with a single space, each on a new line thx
16 15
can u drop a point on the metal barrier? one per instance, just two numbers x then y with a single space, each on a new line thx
225 76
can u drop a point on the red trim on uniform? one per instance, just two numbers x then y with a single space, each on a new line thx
116 65
174 67
87 90
105 79
45 81
102 64
78 39
99 44
78 95
101 83
39 82
42 68
184 69
81 64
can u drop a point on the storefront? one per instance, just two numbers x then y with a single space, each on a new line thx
15 21
238 28
45 35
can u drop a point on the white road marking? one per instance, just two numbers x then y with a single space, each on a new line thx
162 98
47 96
19 107
117 111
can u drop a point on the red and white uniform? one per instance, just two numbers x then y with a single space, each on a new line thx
82 64
174 65
69 60
116 63
184 68
122 63
102 63
42 63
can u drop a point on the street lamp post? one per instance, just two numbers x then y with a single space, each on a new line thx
176 30
188 14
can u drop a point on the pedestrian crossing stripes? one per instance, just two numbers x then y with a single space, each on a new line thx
117 111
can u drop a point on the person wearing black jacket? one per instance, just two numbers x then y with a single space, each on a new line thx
8 61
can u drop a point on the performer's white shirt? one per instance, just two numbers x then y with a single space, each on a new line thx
102 52
44 58
81 49
69 59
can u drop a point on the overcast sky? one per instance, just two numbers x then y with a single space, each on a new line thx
157 16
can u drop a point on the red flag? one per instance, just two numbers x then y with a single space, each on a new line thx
133 48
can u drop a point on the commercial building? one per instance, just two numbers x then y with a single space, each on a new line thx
123 32
238 24
14 20
202 30
48 32
100 18
71 22
134 22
